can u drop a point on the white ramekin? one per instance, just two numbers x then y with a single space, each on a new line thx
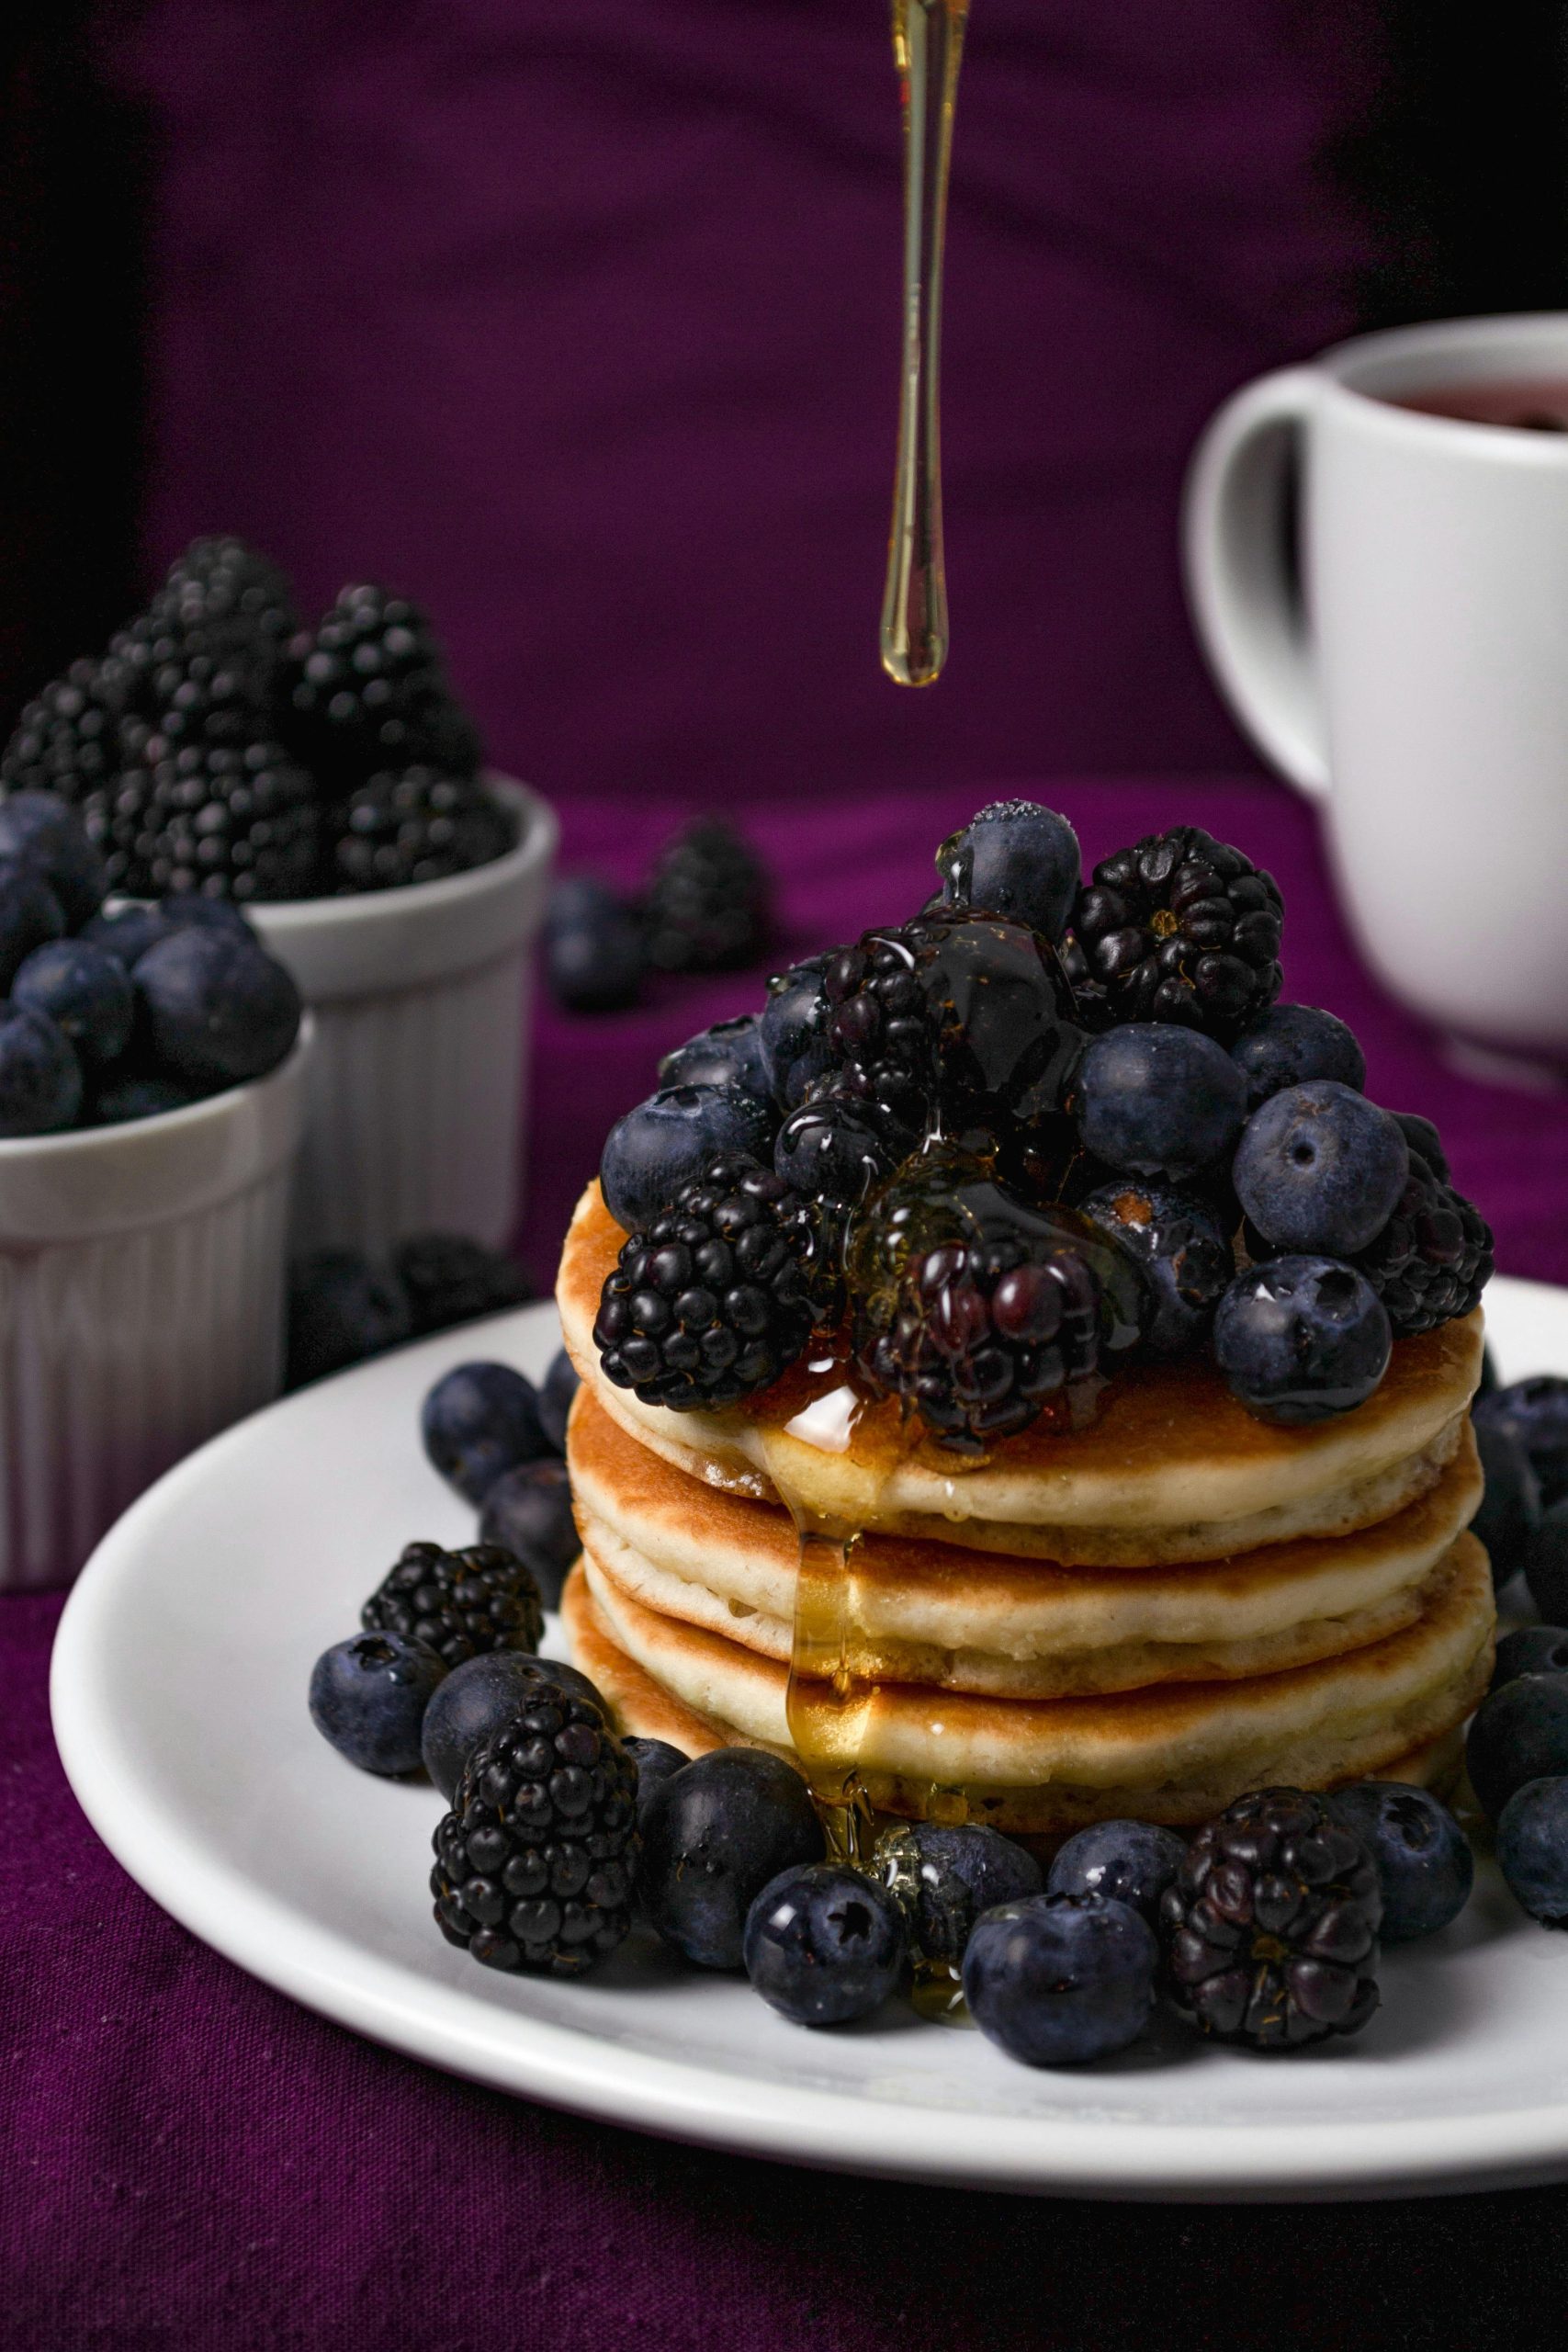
141 1302
421 999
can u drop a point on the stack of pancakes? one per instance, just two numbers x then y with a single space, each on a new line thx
1146 1617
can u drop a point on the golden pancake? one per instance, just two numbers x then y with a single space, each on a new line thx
1020 1628
1175 1754
1173 1469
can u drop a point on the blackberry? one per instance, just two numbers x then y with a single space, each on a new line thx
1181 928
982 1315
535 1862
710 901
955 1018
448 1279
718 1294
368 692
233 821
232 597
1433 1259
416 825
457 1603
1271 1929
66 740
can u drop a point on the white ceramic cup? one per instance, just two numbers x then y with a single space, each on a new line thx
421 999
141 1304
1384 596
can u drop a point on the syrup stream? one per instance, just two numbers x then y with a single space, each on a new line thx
928 43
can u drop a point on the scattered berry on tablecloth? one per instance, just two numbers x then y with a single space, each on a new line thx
1529 1649
708 904
595 954
449 1278
341 1310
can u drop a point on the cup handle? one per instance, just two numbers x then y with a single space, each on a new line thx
1242 583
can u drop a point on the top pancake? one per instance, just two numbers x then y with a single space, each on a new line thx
1174 1469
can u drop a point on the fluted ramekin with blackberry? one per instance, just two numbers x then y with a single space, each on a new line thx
327 781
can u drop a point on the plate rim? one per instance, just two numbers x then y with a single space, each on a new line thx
567 2066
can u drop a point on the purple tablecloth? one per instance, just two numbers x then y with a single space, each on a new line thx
189 2160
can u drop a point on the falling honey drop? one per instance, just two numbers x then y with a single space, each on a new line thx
928 43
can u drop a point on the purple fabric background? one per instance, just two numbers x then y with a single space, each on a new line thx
578 323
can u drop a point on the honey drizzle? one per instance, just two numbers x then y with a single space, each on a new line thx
928 43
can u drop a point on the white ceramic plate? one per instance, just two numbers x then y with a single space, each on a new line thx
179 1705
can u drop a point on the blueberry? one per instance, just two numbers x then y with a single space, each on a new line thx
85 991
557 1390
482 1695
730 1054
129 1094
1013 858
1489 1383
1530 1649
1057 1979
793 1031
824 1944
668 1141
1536 1411
368 1697
216 1007
833 1149
46 831
1180 1248
1424 1862
595 955
657 1762
1292 1043
128 931
31 915
1298 1339
529 1509
41 1078
1134 1861
1519 1733
1510 1500
478 1420
340 1310
1154 1098
1546 1563
945 1876
1321 1169
210 914
1423 1138
1532 1848
711 1838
